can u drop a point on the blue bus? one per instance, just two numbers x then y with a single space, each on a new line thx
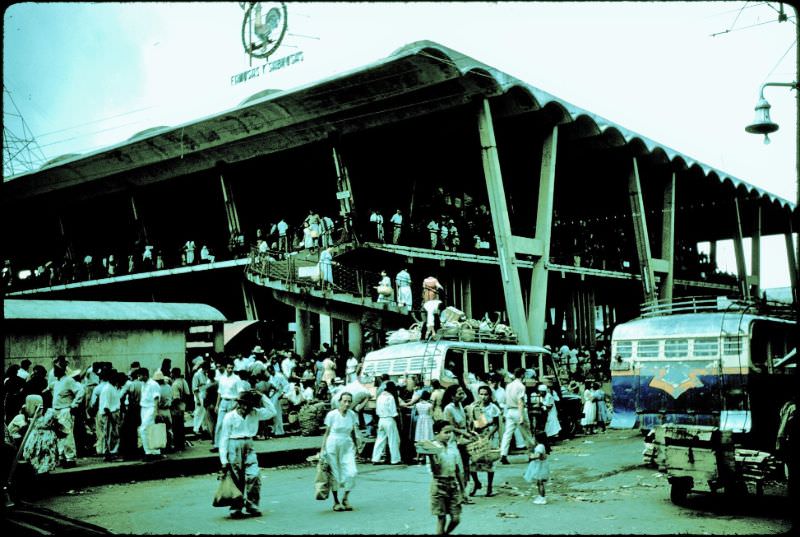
704 361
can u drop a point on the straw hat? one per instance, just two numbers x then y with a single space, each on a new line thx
158 375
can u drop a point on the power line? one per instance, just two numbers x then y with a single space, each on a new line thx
780 60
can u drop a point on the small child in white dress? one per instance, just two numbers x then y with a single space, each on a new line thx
424 426
538 468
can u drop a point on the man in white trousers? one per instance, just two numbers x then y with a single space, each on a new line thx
386 410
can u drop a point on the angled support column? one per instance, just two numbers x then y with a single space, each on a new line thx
738 250
790 256
668 240
537 307
755 256
512 289
70 253
249 303
230 207
354 339
137 221
640 233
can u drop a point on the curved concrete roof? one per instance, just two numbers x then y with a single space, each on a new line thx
271 121
84 310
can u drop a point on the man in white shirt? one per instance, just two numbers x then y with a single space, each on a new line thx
108 414
516 414
151 394
237 453
386 410
200 382
350 368
283 243
68 394
287 366
397 226
228 390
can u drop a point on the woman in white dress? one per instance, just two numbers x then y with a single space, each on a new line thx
424 408
339 446
552 426
385 282
589 409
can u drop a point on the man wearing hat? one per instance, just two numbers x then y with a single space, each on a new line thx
151 393
68 395
237 452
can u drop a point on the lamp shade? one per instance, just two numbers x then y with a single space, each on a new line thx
762 124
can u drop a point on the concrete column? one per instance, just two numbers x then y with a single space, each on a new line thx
512 288
537 306
755 256
668 240
354 339
738 250
302 337
712 254
640 232
325 329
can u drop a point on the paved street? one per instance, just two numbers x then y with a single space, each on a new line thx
598 487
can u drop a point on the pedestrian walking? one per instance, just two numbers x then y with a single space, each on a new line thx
386 410
456 415
447 489
538 468
516 414
237 453
589 419
339 446
485 416
600 402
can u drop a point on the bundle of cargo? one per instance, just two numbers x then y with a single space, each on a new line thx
756 465
310 418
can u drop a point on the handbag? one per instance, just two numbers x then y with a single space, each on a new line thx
322 481
227 493
157 435
385 290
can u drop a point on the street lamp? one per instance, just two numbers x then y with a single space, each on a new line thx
762 124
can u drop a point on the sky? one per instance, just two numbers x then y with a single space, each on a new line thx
88 75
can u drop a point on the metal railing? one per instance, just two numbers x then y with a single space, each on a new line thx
294 269
703 304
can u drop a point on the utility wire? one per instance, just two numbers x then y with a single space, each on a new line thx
779 61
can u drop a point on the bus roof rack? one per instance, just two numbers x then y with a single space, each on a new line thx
703 304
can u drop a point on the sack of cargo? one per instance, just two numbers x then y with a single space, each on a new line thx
398 336
451 315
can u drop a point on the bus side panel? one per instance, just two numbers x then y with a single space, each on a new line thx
623 398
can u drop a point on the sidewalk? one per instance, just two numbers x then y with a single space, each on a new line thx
197 459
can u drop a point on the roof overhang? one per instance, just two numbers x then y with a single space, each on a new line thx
415 80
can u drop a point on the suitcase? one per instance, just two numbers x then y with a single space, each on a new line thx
157 435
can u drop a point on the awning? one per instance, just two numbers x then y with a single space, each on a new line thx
232 329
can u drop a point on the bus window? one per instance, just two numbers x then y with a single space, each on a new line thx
476 363
454 361
676 348
706 346
624 349
496 361
647 348
514 361
731 345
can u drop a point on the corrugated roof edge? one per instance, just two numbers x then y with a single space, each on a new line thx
109 311
506 82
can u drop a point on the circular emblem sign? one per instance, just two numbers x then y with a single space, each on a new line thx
263 28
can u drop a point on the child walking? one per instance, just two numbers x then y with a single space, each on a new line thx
538 467
447 490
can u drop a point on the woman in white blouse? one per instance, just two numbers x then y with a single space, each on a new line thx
339 445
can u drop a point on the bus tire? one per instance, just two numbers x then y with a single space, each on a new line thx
679 490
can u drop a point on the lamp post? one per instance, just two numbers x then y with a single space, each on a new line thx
764 125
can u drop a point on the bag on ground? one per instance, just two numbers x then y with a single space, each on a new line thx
227 493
